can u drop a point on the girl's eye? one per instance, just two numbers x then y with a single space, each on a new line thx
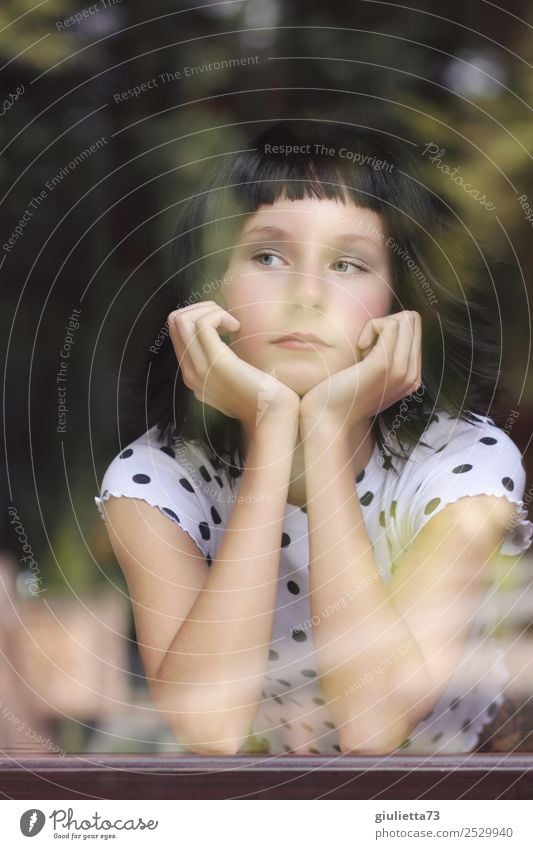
265 255
349 265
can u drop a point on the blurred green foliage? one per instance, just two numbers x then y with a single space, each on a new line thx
114 214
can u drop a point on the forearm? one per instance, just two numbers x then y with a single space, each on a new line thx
372 671
210 681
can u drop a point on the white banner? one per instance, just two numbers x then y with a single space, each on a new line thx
309 823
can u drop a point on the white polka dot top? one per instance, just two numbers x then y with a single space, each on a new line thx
452 459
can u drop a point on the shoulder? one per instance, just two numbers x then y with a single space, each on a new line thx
451 447
180 479
454 459
147 461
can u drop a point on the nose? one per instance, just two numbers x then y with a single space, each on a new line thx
307 288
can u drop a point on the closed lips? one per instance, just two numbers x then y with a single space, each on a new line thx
302 337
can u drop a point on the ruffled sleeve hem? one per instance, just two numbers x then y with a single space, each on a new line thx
520 534
169 514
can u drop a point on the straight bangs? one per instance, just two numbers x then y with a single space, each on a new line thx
295 163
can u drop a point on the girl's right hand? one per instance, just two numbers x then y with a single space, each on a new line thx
217 376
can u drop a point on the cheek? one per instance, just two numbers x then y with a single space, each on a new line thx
359 309
254 332
356 313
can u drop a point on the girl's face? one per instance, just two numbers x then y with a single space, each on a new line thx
314 266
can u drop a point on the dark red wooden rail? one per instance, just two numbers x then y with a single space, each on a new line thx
83 776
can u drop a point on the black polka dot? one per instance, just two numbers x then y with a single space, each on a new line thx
441 448
125 454
104 493
299 636
437 737
303 509
273 655
367 498
382 518
285 723
204 530
219 481
204 473
285 540
287 748
285 683
216 516
387 462
488 440
459 470
360 476
455 703
234 472
209 561
170 513
508 484
466 725
167 450
431 506
314 751
318 701
293 587
329 724
307 726
309 673
186 484
434 418
492 708
141 479
336 747
393 509
278 700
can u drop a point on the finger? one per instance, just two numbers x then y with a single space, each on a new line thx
186 337
182 331
386 347
415 367
386 341
198 306
404 345
208 337
372 330
367 335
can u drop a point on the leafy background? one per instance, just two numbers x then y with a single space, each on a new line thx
458 75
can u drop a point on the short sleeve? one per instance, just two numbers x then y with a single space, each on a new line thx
477 461
150 472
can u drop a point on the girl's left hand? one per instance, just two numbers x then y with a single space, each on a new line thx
389 369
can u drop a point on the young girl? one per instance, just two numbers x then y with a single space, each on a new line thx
309 516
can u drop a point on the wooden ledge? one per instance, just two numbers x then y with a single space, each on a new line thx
161 776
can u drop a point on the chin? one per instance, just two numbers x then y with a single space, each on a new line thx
300 385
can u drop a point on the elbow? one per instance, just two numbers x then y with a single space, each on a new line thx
382 732
198 736
382 741
199 730
195 733
371 746
207 744
201 738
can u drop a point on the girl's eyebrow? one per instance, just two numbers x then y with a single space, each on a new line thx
344 240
